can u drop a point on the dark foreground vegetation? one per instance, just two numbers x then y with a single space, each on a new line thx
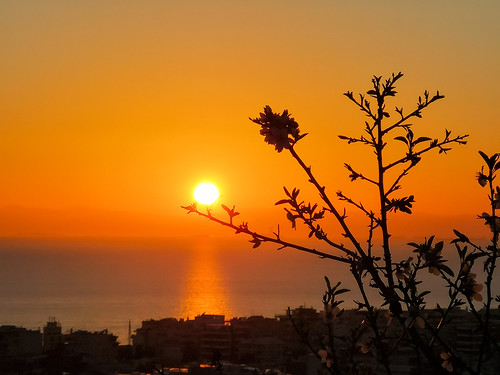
391 134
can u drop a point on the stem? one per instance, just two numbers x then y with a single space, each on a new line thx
305 341
324 197
367 261
331 338
396 181
384 357
457 139
382 196
414 113
421 345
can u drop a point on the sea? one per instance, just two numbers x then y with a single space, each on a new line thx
98 284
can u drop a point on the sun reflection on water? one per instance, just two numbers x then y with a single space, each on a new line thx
204 291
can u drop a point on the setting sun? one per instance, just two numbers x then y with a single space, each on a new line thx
206 193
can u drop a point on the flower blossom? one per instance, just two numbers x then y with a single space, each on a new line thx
403 272
482 179
434 270
324 357
473 289
364 348
447 365
492 221
280 130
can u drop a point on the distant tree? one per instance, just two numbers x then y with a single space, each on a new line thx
401 321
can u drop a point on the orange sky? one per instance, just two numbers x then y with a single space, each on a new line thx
112 112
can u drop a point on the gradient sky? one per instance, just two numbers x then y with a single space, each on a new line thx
111 112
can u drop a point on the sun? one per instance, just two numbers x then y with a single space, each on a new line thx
206 193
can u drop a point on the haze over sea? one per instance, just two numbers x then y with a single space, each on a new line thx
97 284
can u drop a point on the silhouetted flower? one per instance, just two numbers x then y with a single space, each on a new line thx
434 270
403 270
433 267
482 178
471 288
324 357
447 365
279 130
476 289
416 317
492 221
364 348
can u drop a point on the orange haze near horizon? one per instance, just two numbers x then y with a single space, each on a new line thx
111 113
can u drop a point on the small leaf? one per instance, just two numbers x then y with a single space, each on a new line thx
190 208
283 201
424 293
301 136
340 291
422 139
256 242
446 269
230 211
484 156
319 215
439 246
291 217
461 237
402 139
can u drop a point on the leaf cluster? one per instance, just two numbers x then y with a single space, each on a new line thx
308 213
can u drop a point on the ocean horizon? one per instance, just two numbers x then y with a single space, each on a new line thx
98 284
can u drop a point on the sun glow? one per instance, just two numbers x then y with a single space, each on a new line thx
206 193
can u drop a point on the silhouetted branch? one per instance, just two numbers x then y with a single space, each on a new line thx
360 206
309 215
415 113
257 238
434 144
